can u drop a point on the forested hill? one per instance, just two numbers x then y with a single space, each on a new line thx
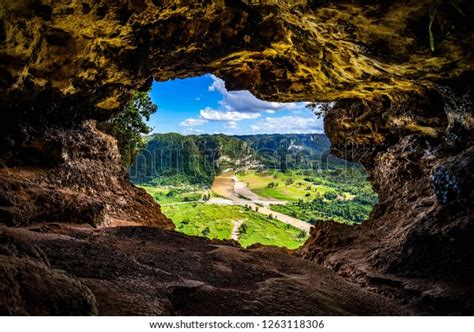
288 151
197 159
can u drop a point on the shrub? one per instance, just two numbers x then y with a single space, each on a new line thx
330 195
206 232
301 234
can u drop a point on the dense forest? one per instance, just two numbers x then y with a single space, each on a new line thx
197 159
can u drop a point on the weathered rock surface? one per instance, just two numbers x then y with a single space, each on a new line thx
68 57
422 226
148 271
71 176
30 286
402 110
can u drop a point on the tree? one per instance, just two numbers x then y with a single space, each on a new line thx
206 232
330 195
129 125
282 155
320 109
301 234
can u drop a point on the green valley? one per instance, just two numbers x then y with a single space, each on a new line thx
265 189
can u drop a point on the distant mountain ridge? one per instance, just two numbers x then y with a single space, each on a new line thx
197 159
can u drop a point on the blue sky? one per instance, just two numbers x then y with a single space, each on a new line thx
202 105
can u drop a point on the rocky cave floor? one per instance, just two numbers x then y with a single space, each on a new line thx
136 270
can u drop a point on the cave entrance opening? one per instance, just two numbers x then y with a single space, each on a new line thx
227 165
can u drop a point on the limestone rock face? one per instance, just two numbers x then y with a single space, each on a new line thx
64 269
422 225
81 59
74 176
403 110
31 287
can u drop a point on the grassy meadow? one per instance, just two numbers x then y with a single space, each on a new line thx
215 222
339 194
286 186
175 194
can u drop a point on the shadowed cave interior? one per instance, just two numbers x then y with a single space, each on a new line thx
78 238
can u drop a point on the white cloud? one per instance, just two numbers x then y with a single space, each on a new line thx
236 106
192 122
191 131
289 124
244 102
231 125
214 115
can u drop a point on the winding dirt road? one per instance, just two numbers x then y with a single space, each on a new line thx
236 192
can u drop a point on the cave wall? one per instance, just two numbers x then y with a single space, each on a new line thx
82 59
418 152
72 175
402 110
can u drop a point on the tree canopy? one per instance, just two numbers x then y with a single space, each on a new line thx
129 125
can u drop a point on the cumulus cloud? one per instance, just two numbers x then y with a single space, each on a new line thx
244 102
231 125
289 124
215 115
193 122
241 105
192 131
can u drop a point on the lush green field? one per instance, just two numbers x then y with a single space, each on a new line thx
349 212
174 194
339 194
215 222
260 229
289 186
